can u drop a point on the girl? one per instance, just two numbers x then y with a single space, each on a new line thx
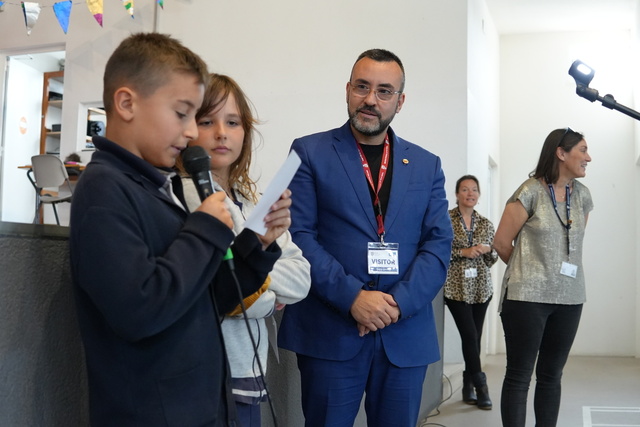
225 130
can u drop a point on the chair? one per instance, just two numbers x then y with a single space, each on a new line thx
49 172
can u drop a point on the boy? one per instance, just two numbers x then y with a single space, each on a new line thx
149 277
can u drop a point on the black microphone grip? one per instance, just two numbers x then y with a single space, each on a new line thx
202 181
197 164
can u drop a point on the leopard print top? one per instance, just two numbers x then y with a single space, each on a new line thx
472 290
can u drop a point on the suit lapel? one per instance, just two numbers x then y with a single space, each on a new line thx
400 181
345 146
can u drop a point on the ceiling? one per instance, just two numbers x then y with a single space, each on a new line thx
43 62
530 16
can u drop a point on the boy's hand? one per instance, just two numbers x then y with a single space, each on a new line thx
214 205
277 220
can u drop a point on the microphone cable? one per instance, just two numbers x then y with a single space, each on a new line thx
229 258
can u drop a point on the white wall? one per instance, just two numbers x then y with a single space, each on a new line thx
537 96
294 58
22 137
636 104
481 129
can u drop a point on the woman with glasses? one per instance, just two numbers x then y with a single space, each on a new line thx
540 238
468 289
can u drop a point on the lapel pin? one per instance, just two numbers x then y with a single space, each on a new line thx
405 161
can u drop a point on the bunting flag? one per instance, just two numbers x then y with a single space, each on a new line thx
31 13
62 10
128 4
96 8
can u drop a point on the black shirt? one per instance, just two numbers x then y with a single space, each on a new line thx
373 153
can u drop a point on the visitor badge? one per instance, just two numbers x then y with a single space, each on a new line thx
568 269
383 258
470 272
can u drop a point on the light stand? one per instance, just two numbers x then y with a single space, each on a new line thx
583 74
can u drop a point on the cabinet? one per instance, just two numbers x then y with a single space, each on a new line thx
51 119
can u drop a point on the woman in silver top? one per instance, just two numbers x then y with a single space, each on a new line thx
540 238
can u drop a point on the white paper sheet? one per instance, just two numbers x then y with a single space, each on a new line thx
276 187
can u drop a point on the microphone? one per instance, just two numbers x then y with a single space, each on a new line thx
197 163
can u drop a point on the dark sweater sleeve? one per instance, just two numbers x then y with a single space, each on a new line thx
252 265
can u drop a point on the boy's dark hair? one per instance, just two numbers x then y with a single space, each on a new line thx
382 55
143 62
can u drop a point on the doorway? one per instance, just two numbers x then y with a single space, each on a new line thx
20 128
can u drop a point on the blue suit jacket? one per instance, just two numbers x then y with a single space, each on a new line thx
333 220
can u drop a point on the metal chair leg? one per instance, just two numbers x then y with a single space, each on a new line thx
36 216
55 211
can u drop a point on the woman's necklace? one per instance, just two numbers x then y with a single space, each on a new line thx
561 192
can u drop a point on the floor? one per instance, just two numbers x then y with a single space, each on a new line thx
596 392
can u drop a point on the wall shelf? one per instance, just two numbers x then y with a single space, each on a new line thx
51 112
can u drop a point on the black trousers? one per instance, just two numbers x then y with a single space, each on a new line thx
535 331
469 319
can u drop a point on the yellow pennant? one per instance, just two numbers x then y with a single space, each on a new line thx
96 8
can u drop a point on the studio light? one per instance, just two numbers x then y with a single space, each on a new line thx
583 74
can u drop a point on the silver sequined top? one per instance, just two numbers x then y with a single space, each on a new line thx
533 271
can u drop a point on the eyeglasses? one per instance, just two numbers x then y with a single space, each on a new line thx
566 131
361 91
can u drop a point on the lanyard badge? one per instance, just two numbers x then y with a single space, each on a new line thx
567 269
382 257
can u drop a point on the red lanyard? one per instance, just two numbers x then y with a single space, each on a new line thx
381 175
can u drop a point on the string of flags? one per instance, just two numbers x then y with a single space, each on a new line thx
62 11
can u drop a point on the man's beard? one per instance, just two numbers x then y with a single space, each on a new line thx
369 129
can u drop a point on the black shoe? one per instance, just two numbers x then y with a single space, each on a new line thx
468 392
480 383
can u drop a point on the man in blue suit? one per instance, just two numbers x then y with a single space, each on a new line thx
370 214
